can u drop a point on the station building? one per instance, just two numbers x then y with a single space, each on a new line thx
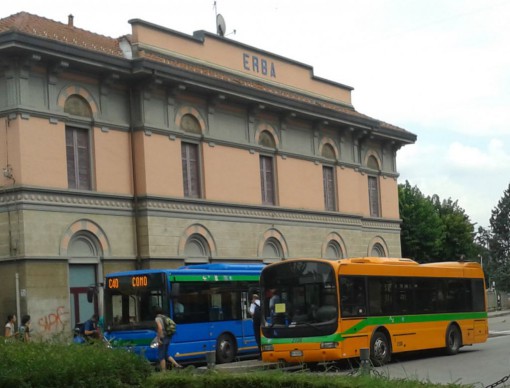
158 149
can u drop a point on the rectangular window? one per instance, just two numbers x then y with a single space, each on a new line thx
373 196
190 170
267 180
78 158
329 188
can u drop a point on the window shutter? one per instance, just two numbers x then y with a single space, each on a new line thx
190 170
267 180
329 188
78 159
373 196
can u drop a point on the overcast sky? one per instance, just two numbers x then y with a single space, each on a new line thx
437 68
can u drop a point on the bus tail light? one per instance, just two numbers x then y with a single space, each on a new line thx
329 345
267 348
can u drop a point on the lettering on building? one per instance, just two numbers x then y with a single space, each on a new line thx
259 65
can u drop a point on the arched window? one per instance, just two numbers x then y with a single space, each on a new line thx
272 249
76 105
372 163
378 250
334 251
190 123
197 246
328 151
266 139
83 245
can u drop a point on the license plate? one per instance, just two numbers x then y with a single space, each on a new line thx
296 353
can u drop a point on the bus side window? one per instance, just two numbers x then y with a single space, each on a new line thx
353 296
374 296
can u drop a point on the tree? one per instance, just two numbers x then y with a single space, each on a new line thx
459 232
422 232
499 242
434 229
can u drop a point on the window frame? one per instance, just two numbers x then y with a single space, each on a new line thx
267 180
79 173
374 200
191 174
329 187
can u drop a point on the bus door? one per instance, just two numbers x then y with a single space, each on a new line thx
246 318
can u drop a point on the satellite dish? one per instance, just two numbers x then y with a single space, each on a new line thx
220 25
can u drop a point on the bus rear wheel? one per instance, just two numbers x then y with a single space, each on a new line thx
225 349
453 340
380 351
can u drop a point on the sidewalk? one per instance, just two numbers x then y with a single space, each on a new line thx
498 313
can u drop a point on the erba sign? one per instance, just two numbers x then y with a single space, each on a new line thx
258 65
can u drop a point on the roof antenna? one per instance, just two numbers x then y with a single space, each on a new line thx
221 27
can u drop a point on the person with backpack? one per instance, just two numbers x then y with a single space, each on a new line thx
165 327
24 330
255 314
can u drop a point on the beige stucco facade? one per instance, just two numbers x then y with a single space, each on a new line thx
141 100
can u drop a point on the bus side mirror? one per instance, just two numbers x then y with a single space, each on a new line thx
90 294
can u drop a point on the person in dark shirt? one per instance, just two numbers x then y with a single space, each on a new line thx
91 329
255 314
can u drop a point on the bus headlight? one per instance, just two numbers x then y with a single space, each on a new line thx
329 345
267 348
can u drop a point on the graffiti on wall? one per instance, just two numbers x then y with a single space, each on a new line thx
55 321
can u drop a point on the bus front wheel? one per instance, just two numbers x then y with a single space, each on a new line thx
380 351
225 349
453 340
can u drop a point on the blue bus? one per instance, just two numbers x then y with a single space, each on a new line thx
208 302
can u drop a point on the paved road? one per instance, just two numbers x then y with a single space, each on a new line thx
480 364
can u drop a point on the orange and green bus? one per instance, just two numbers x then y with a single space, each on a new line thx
316 310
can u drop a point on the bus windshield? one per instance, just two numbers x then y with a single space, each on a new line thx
299 294
130 301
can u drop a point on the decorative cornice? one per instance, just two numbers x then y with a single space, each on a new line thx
52 200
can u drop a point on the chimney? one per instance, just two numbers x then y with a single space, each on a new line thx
70 20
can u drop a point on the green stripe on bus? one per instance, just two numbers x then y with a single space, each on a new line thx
213 278
377 321
132 342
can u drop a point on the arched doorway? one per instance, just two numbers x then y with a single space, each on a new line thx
84 254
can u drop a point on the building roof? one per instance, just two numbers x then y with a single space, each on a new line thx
44 28
65 33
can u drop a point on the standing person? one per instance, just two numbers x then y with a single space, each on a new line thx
255 314
178 307
90 328
24 330
9 326
164 340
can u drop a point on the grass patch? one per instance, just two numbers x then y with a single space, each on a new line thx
58 365
69 365
278 379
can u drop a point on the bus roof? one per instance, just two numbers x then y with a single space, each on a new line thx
398 267
409 262
199 269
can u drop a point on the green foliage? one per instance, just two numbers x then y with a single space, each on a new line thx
458 230
434 230
279 379
63 365
28 365
499 243
422 232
